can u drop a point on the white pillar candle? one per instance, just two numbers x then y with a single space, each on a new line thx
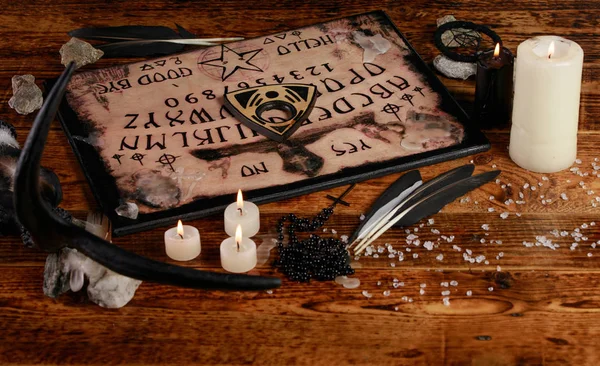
238 254
182 243
545 115
243 213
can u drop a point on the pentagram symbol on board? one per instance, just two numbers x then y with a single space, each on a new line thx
167 159
231 61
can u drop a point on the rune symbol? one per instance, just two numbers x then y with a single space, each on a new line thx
118 157
167 159
392 109
138 157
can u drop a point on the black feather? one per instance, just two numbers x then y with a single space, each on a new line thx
438 182
400 185
117 35
126 49
184 32
434 201
125 33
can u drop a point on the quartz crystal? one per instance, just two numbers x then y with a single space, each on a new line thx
80 52
27 97
65 270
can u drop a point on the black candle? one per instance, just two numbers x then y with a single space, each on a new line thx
494 89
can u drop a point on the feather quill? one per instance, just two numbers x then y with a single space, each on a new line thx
434 184
433 202
138 40
184 32
389 199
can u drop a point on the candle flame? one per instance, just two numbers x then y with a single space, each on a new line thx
180 229
551 49
240 201
497 50
238 236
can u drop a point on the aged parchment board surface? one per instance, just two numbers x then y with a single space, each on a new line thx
156 132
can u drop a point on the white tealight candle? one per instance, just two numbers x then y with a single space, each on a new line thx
182 243
243 213
548 71
238 255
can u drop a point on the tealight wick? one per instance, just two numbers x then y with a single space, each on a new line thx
551 50
180 229
238 236
240 202
497 50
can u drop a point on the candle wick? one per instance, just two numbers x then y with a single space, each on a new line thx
240 210
181 236
238 245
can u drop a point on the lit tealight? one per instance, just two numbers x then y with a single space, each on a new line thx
182 243
243 213
238 254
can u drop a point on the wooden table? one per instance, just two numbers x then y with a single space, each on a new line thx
545 304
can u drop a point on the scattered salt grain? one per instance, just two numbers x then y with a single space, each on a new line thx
444 284
430 221
422 292
518 214
362 217
491 209
504 215
446 301
453 283
440 257
344 238
589 254
415 255
445 292
533 188
578 161
492 198
469 293
490 289
367 294
386 293
485 227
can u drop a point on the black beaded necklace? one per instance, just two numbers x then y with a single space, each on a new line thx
320 258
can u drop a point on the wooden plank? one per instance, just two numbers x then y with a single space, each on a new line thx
557 315
544 308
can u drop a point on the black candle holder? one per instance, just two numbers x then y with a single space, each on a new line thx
494 89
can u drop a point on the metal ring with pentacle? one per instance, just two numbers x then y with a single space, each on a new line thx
464 40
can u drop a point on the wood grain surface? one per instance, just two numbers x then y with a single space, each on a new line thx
528 305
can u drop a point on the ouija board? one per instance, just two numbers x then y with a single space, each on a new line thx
156 133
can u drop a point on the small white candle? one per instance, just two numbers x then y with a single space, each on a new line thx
543 136
238 255
182 243
243 213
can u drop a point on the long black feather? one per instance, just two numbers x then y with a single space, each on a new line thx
184 32
125 33
434 201
394 190
115 35
438 182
